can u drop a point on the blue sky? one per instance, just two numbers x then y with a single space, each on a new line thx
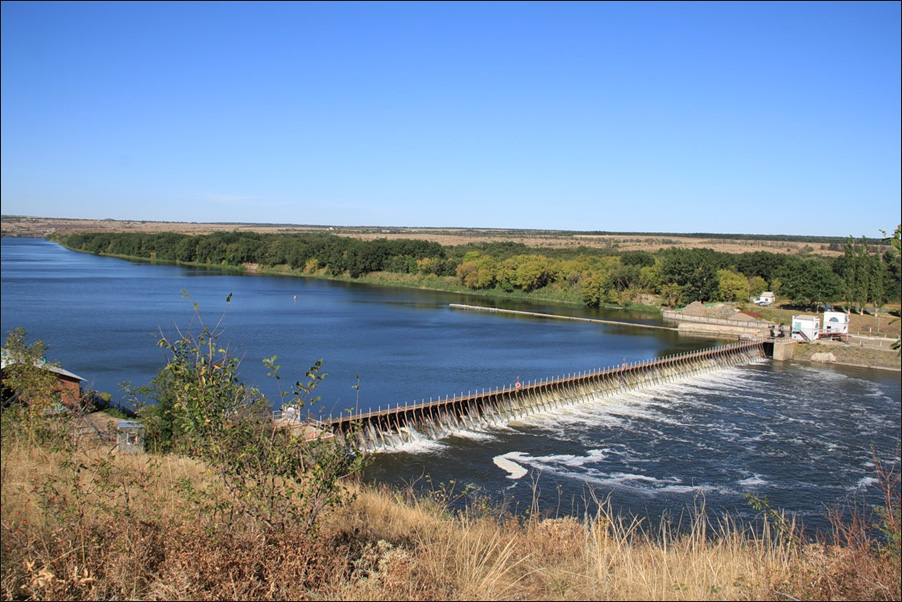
762 118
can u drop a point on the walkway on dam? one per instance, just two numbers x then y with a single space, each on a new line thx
496 310
385 428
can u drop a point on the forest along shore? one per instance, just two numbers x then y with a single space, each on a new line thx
573 268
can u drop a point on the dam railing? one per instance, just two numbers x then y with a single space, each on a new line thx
387 428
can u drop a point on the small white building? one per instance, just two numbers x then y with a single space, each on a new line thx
765 298
836 325
806 328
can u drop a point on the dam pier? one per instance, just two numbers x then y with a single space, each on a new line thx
387 428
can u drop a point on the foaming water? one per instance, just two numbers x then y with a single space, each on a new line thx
418 443
801 436
510 462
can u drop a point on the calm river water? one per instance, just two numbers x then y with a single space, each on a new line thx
800 435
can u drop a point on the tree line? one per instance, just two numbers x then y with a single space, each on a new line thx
864 275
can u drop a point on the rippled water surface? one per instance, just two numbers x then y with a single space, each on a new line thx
800 435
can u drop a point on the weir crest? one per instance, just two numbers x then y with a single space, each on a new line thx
387 429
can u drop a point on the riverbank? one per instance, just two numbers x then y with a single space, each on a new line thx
144 527
432 282
824 352
842 354
837 353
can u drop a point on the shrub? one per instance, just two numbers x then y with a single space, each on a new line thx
277 474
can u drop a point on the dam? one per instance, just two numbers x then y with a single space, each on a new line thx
386 428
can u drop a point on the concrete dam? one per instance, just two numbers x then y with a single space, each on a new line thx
387 428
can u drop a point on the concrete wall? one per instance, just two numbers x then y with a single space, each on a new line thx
781 349
871 342
720 330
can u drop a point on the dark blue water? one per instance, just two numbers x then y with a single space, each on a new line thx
800 435
102 317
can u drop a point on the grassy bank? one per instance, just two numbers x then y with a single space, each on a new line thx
447 284
81 522
550 294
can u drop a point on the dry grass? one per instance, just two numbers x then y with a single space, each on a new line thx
692 564
144 527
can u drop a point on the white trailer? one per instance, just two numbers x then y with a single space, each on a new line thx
836 325
806 328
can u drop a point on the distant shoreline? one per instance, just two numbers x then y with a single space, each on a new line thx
43 227
827 246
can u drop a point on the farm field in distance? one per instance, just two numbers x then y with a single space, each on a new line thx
38 227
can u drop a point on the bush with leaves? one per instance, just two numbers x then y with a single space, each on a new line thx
277 474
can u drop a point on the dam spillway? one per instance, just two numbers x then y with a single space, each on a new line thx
387 428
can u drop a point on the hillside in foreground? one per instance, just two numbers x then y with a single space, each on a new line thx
143 527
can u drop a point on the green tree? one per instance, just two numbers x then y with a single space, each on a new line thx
808 280
693 270
671 295
864 275
528 272
895 241
759 263
478 273
596 289
638 258
757 285
731 286
856 274
650 278
877 293
25 374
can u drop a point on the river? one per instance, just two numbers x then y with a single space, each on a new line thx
799 435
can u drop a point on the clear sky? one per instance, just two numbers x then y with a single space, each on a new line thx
760 118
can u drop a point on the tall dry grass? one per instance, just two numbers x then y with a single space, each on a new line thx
97 525
701 561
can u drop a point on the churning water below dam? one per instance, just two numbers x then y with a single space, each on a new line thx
801 437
